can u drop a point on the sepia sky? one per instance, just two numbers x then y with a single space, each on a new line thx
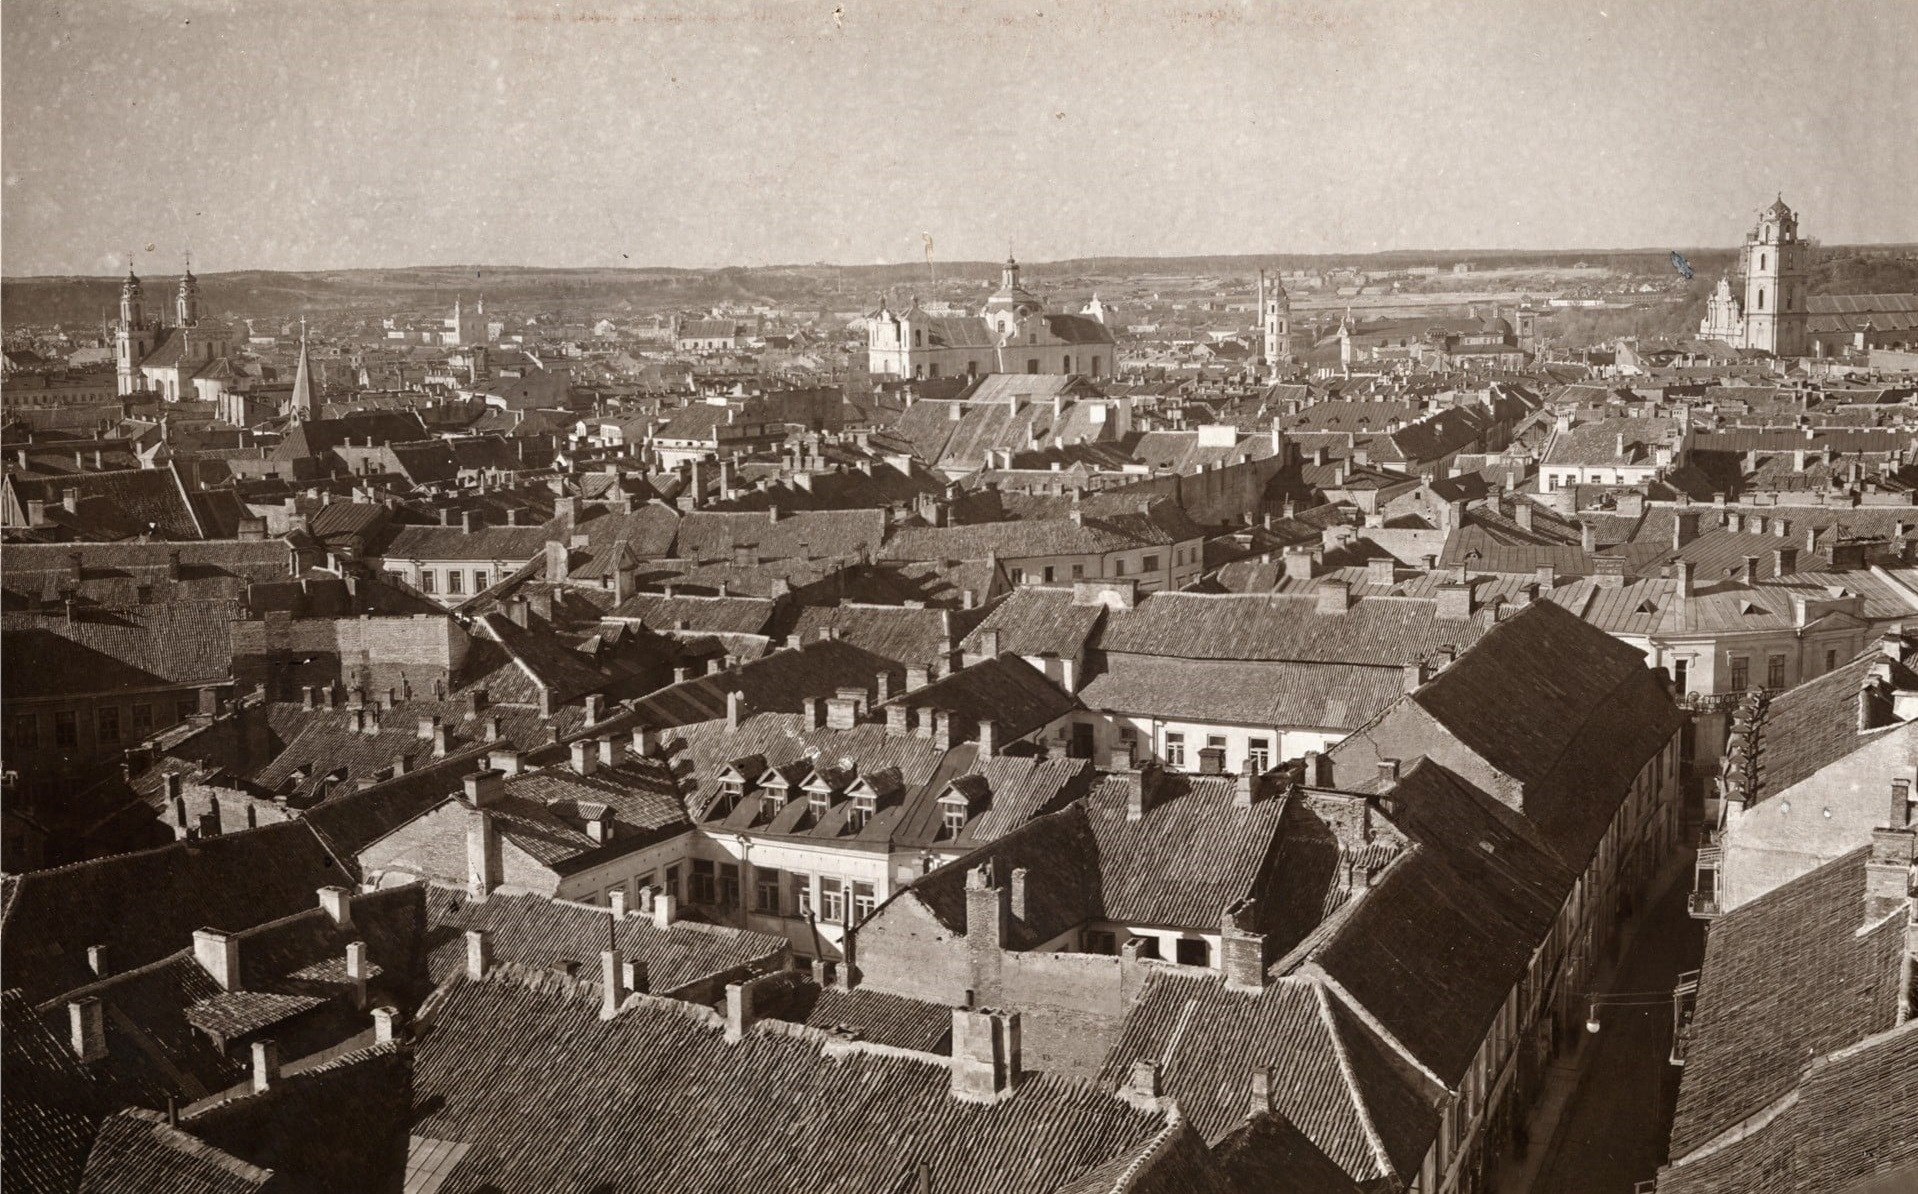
320 134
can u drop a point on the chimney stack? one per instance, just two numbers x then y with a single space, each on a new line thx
266 1065
338 902
219 955
585 758
479 953
739 1011
1242 948
87 1018
986 1054
612 983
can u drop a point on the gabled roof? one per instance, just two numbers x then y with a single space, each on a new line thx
539 933
143 905
1790 977
1374 631
771 1111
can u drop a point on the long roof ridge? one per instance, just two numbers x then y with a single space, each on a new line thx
1315 971
1344 1058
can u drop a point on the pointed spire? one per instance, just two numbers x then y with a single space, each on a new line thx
300 406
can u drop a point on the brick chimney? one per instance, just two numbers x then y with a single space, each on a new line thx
1893 850
219 955
739 1012
612 983
645 741
479 953
1016 898
988 738
338 902
356 971
1301 563
386 1022
1265 1085
87 1019
1334 597
665 909
986 1056
612 752
1784 561
1455 601
735 708
1684 528
1682 574
1142 1086
1242 947
584 758
266 1065
1143 792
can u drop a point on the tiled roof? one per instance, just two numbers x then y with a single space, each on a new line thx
119 504
1849 1128
697 615
1004 689
143 905
772 1113
153 1051
1260 693
1182 864
456 543
1807 729
1038 622
48 1106
537 932
779 682
137 1152
1208 1040
1377 631
339 1125
1788 978
1596 442
147 646
857 1014
913 637
1433 950
112 574
806 535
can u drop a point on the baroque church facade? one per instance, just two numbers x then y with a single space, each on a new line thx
185 361
1013 333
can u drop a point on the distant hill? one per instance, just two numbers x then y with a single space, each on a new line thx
82 301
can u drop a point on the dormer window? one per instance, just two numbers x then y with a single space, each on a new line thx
864 806
952 818
772 802
819 803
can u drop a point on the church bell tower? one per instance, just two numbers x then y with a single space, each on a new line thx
1775 314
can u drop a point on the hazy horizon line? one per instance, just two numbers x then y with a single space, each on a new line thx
958 262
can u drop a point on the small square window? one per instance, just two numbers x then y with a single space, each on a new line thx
1078 572
1151 564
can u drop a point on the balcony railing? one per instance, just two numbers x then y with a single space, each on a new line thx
1703 905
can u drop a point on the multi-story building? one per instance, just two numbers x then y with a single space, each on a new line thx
1013 333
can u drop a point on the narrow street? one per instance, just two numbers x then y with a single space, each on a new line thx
1615 1127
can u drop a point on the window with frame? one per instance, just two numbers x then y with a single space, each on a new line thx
142 719
801 894
1149 564
1101 941
766 885
429 581
864 900
1258 752
1831 660
66 728
1118 567
1032 365
1048 573
479 582
832 901
1215 741
1148 946
1078 572
952 818
1193 951
1174 749
1018 575
26 730
107 719
704 887
1741 673
455 580
1095 366
863 808
729 884
819 804
1065 363
1775 672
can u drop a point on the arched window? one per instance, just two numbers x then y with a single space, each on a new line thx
1761 299
1761 261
